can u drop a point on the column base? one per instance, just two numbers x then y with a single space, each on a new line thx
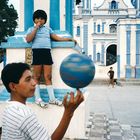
137 72
128 71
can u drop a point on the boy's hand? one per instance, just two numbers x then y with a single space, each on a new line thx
71 104
38 25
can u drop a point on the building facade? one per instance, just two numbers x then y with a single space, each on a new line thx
109 35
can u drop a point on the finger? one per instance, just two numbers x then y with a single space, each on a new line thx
78 95
71 96
81 98
65 99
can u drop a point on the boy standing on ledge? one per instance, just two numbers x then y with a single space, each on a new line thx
40 36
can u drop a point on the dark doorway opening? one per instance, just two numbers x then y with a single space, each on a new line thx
111 55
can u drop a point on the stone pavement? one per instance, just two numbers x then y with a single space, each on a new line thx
99 127
113 113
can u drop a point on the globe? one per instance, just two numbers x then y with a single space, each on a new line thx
77 70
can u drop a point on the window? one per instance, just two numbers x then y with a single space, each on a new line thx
113 28
78 30
113 5
98 28
90 56
98 57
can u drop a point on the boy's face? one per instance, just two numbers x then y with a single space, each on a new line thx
26 86
39 21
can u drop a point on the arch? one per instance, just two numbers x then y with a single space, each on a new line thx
109 44
113 28
113 4
111 54
134 3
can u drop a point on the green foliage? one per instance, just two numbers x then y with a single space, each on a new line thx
8 17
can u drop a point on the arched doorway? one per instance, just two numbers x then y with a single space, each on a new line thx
111 55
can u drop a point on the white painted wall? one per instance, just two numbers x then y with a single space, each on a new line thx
15 55
21 16
101 71
62 15
58 55
101 14
122 44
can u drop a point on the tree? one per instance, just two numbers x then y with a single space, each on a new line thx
8 17
78 1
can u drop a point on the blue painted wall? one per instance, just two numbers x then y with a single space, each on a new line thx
69 21
128 38
28 13
128 70
55 14
85 38
138 52
138 45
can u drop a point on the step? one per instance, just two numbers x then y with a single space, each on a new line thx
121 82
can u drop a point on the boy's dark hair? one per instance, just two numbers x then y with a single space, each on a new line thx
40 14
12 72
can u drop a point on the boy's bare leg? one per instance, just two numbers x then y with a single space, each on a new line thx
48 82
37 70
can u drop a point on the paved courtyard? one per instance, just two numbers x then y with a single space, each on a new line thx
119 103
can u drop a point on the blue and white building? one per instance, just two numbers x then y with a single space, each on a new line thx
109 34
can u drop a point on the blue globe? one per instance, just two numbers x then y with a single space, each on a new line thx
77 70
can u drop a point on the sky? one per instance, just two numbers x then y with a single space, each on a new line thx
94 2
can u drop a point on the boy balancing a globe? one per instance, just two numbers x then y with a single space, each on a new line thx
19 122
